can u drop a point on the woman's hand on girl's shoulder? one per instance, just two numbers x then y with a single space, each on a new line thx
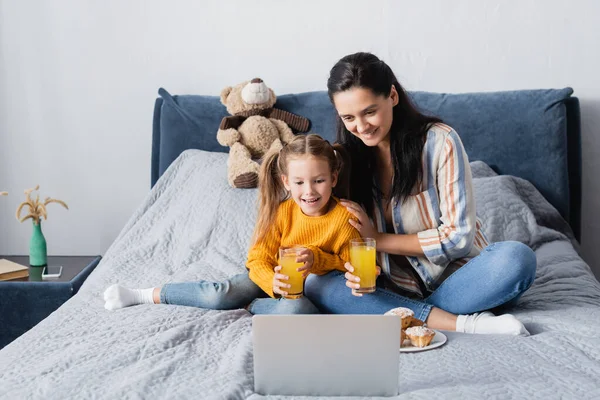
362 223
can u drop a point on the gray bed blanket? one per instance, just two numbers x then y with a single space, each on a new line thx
192 226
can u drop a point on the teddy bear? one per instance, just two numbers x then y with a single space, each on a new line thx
253 129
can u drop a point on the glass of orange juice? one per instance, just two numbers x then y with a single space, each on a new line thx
289 267
362 258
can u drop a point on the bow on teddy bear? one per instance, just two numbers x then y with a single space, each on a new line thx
253 128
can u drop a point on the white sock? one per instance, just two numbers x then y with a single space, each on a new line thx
486 322
118 297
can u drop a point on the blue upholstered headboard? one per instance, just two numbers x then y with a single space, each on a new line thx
532 134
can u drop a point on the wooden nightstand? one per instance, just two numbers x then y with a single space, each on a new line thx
24 304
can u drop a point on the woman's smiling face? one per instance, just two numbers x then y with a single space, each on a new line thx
366 115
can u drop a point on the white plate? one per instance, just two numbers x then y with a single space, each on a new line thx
438 340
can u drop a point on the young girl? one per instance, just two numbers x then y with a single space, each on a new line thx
296 209
411 177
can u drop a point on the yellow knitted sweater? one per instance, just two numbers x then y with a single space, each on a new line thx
326 236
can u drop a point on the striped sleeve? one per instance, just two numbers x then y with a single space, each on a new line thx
453 238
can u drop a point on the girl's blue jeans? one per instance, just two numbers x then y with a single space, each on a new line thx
236 292
499 275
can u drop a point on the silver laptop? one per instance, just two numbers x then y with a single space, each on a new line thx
326 355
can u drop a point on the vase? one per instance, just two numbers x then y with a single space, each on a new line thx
38 256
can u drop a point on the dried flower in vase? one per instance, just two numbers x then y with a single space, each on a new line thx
37 209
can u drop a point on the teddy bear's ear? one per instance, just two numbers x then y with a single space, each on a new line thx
224 94
273 98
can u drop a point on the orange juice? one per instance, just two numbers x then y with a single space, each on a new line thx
362 258
289 267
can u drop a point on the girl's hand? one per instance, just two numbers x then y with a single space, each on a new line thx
307 257
279 283
363 225
352 280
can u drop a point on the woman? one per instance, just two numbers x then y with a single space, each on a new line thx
411 190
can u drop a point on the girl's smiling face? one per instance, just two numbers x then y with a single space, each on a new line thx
310 182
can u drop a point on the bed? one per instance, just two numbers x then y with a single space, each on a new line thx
525 151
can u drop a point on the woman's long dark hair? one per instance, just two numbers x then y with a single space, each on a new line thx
407 133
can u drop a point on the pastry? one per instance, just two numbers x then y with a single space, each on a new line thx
420 336
406 314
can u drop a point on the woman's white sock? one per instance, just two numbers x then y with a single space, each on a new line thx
116 297
486 322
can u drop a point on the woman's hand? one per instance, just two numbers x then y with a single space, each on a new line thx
352 280
279 282
363 224
307 257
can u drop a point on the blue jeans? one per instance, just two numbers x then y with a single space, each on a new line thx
236 292
499 275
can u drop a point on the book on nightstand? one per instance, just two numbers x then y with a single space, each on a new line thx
11 271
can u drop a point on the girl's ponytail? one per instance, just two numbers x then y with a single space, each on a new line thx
342 189
271 193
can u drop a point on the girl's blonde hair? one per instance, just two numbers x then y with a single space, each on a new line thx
275 164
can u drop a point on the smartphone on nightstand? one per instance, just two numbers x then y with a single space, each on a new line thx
52 271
